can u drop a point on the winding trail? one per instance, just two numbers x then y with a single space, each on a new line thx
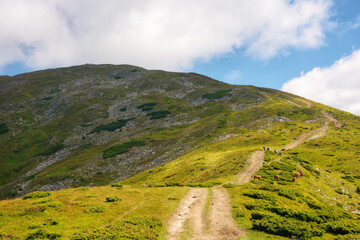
219 224
253 165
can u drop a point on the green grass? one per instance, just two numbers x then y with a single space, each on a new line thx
84 213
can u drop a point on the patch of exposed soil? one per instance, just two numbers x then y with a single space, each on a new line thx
252 166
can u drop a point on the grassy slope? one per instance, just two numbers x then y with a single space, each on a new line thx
64 212
330 165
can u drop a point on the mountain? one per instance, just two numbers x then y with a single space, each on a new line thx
160 134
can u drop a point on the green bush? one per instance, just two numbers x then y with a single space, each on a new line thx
287 227
42 201
238 212
117 185
37 194
348 178
342 227
259 195
55 204
123 109
3 128
122 148
147 106
111 126
260 215
158 114
288 193
113 199
95 209
41 234
217 94
283 166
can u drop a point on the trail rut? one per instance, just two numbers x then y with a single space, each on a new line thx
253 165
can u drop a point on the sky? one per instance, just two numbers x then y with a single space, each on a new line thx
307 47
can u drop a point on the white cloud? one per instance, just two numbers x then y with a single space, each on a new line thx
337 85
166 34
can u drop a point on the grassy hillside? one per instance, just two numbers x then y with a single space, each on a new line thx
159 133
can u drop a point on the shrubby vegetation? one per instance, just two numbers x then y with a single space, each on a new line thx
95 209
122 148
158 114
111 126
147 106
217 94
41 234
3 128
37 194
113 199
117 185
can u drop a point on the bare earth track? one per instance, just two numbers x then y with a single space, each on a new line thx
220 222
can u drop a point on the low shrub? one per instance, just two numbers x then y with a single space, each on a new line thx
348 178
95 209
111 126
259 195
113 199
342 227
147 106
37 194
260 215
55 204
117 185
158 114
287 228
41 234
3 128
123 109
238 212
288 193
218 94
283 166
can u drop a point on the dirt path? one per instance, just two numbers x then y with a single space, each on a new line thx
222 225
331 118
308 104
190 212
190 208
252 166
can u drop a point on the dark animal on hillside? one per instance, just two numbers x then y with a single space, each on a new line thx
276 176
297 175
301 173
258 177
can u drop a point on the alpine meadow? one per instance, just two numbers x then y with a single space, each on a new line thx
121 152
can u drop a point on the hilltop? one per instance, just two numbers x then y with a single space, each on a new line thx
171 143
